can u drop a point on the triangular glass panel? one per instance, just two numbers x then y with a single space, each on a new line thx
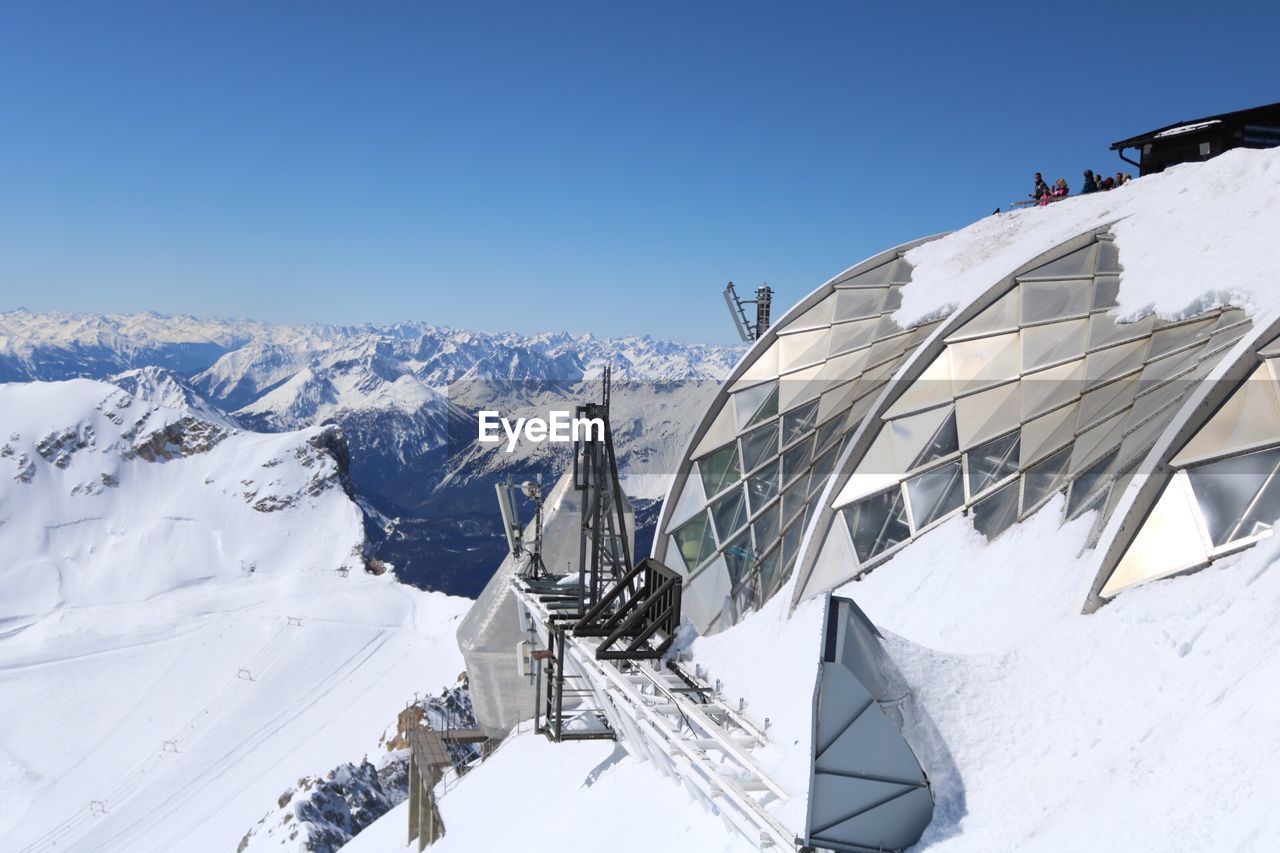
1044 479
719 469
738 558
729 514
1226 489
762 487
695 542
759 446
749 402
993 462
768 409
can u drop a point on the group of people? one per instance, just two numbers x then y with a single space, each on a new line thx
1044 193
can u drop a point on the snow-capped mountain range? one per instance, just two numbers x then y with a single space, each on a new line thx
406 396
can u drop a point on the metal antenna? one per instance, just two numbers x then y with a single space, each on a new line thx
747 330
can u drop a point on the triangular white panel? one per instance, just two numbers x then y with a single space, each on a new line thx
817 317
1114 361
987 414
1171 365
1138 443
836 399
932 388
1050 388
1077 264
762 369
721 432
1168 541
855 304
882 274
1105 400
1104 330
1046 434
889 349
984 361
1108 260
1001 316
800 387
876 470
802 350
1249 418
1166 340
842 367
703 596
1094 442
846 337
691 501
1054 342
1056 300
836 562
674 559
1270 350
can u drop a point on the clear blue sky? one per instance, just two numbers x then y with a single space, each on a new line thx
595 167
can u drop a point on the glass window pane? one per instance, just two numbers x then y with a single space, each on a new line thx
996 513
822 470
1224 490
1044 478
796 460
719 469
829 432
1088 482
762 487
1264 513
768 409
877 523
759 446
791 540
748 402
766 527
729 514
992 462
694 541
935 493
793 500
739 557
943 443
769 577
798 421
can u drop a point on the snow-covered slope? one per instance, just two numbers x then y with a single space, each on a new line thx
187 626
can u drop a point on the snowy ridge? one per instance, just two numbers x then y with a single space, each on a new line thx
1190 238
188 607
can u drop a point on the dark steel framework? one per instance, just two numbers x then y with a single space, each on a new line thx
747 330
635 608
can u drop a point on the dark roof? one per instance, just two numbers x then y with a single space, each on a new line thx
1135 141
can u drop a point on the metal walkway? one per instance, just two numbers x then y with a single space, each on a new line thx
675 720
